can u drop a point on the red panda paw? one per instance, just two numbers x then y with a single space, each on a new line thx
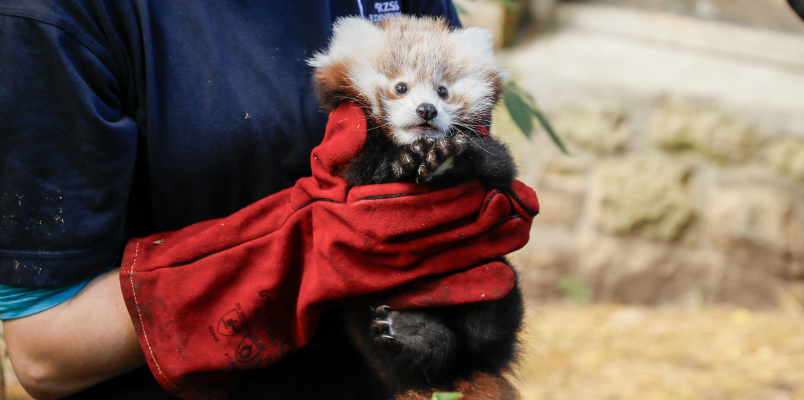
406 163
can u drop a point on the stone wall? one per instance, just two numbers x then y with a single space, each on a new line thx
667 196
703 210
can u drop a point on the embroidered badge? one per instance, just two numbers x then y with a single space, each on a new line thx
384 10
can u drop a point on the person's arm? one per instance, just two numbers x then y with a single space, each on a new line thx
77 344
67 152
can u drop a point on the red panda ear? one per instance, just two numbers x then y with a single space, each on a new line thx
354 40
498 78
332 85
476 45
480 42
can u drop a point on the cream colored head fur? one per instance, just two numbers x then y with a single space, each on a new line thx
367 62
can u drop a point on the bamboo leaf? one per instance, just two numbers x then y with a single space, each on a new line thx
520 111
549 128
511 85
534 111
446 396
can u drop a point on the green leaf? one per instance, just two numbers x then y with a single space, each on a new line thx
446 396
520 111
461 9
533 111
549 128
511 85
508 4
575 290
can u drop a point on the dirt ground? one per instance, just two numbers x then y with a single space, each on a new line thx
610 351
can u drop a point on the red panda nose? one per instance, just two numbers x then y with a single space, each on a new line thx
426 111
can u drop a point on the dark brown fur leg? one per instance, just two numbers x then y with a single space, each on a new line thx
481 386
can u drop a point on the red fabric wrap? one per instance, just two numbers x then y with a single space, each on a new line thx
236 293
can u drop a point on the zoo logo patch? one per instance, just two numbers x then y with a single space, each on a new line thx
384 9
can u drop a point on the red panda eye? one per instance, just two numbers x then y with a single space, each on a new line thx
442 92
401 88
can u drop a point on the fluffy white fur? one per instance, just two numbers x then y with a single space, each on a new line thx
365 61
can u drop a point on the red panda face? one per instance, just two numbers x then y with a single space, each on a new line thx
416 77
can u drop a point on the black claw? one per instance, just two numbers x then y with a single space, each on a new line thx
383 310
380 325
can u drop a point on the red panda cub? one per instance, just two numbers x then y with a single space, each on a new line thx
428 91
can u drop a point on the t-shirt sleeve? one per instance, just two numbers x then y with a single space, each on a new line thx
19 301
67 152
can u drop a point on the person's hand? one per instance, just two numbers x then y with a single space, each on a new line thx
242 291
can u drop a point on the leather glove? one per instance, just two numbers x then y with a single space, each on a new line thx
240 292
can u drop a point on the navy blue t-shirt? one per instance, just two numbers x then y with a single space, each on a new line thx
123 118
119 119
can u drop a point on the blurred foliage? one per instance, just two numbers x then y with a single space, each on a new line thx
505 3
521 106
575 290
519 103
446 396
798 7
